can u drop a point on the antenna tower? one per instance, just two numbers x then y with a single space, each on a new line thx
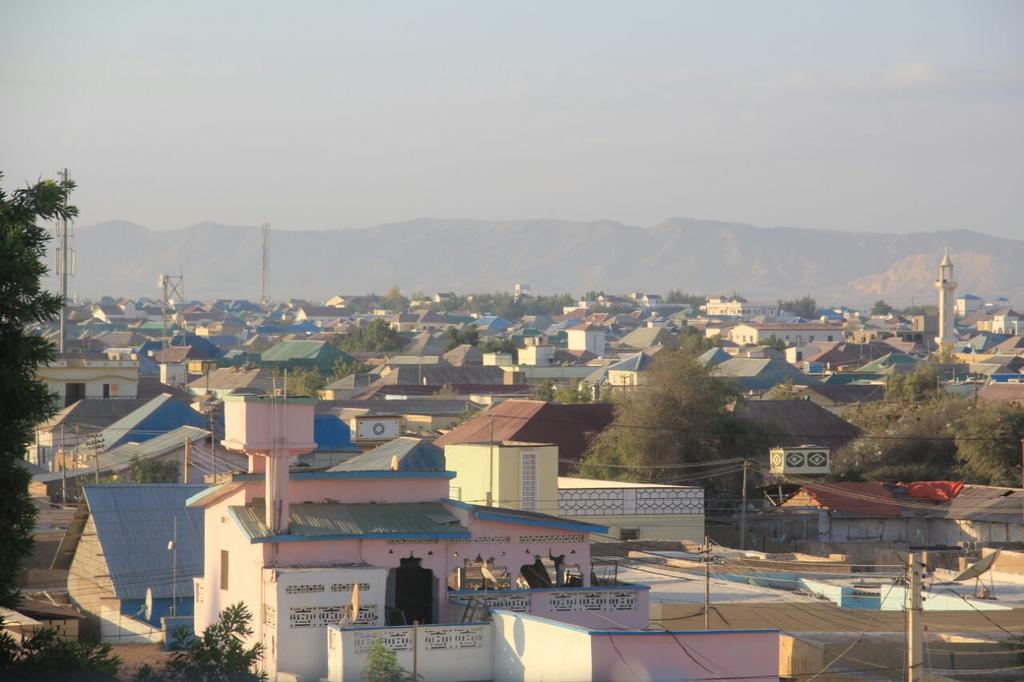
64 258
172 289
265 272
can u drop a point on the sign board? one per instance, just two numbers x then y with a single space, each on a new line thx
805 460
371 428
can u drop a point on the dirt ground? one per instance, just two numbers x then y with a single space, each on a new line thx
134 655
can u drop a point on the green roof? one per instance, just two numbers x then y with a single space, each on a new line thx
887 363
339 521
303 351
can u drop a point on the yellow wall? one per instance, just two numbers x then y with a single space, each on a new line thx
475 475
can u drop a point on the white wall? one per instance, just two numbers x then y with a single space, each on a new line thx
443 653
306 601
526 648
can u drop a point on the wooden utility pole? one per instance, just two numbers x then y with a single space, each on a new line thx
188 445
915 622
743 508
707 583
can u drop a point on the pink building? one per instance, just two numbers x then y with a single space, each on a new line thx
328 561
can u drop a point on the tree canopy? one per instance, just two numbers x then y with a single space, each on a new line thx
805 307
681 416
24 400
376 336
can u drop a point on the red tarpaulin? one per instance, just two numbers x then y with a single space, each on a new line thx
933 491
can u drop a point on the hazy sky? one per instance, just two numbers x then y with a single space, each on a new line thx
880 116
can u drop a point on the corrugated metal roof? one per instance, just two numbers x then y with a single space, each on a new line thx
412 453
329 520
160 415
291 351
134 523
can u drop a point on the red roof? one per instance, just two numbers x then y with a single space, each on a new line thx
570 427
869 499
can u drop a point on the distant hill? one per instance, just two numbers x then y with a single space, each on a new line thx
698 256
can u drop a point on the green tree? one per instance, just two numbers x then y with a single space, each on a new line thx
805 307
881 308
913 387
681 416
676 296
774 342
154 471
46 656
577 393
393 300
381 665
455 337
499 345
306 383
787 390
904 440
24 400
218 655
988 442
374 337
544 391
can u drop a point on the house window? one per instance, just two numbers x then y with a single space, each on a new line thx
106 390
829 337
223 569
528 480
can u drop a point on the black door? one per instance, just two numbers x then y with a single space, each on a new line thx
414 591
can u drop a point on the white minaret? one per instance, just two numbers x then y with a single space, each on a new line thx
946 286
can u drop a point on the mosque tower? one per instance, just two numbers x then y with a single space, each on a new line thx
946 286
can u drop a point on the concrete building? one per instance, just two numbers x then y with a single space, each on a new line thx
796 333
946 286
73 377
511 474
119 543
722 307
590 338
635 511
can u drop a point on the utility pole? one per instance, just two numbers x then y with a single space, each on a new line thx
63 466
213 444
63 262
707 583
173 546
265 271
743 508
188 444
915 623
96 441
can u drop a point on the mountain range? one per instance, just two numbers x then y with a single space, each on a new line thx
429 254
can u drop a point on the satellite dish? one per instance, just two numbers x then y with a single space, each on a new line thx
149 603
976 569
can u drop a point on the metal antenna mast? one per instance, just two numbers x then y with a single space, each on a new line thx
265 273
172 289
63 262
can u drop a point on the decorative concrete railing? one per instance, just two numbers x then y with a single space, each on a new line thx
622 606
455 652
629 501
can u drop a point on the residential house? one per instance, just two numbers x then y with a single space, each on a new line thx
791 423
799 333
586 337
320 315
123 576
157 416
967 304
739 308
71 426
73 377
464 355
570 427
648 338
304 356
757 375
511 474
230 380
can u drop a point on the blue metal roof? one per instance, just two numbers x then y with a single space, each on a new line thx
332 435
160 415
134 523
